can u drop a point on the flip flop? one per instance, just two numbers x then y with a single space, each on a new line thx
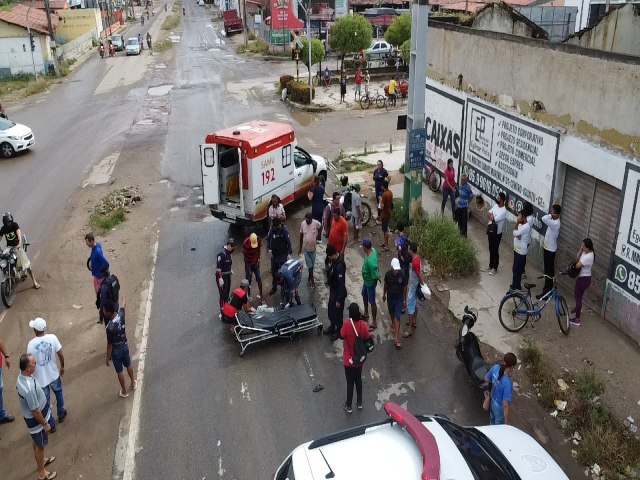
49 460
407 334
122 395
50 476
37 287
397 345
372 327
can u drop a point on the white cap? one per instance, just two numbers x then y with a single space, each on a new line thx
395 264
39 324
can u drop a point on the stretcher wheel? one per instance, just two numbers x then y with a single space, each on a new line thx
242 353
319 330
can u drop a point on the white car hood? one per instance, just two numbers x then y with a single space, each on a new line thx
527 456
18 130
320 160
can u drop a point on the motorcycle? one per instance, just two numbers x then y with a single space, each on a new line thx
112 50
431 176
101 51
468 350
10 277
347 191
149 42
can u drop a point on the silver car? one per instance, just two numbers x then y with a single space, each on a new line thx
133 46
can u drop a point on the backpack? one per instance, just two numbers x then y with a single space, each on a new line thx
404 251
360 349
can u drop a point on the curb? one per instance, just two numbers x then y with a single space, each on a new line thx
310 108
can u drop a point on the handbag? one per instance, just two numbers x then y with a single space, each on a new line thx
359 348
492 228
572 271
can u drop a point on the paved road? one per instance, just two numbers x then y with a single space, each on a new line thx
206 411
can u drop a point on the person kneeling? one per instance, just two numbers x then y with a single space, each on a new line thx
239 300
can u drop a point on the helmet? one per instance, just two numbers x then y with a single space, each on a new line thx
7 219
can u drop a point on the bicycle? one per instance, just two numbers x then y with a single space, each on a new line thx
431 176
516 307
391 101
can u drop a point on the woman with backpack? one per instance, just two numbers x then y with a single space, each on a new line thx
352 330
501 389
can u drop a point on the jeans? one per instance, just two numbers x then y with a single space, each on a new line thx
448 194
354 377
496 413
519 262
549 269
462 216
3 412
582 283
56 386
494 250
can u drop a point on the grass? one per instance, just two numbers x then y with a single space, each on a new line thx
103 223
171 22
398 215
440 242
175 7
65 67
36 86
163 45
603 440
254 46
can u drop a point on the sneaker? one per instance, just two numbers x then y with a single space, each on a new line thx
572 315
575 322
62 417
492 272
329 330
347 408
359 405
258 297
7 419
485 269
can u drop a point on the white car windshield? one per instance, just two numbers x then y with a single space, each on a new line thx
5 124
133 41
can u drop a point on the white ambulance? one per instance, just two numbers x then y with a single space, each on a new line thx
243 166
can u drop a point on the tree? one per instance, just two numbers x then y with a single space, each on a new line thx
317 51
405 51
350 34
399 31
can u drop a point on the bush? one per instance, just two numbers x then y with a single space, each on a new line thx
284 80
103 223
65 67
299 92
36 87
440 242
398 215
171 22
163 45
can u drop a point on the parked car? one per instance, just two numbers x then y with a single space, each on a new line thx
118 42
133 46
379 48
14 137
422 446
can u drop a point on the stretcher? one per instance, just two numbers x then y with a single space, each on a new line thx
252 329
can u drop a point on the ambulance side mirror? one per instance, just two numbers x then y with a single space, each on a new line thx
315 165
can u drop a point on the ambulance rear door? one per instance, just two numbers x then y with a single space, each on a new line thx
210 173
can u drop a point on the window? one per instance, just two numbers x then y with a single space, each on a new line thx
209 157
286 156
299 159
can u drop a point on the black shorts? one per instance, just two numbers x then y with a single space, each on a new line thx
40 439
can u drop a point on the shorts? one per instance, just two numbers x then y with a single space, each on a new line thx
255 269
369 293
412 301
385 225
120 358
357 222
310 259
23 262
40 439
96 284
395 308
357 88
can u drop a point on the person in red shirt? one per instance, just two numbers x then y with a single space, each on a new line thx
251 252
449 187
339 231
358 81
353 371
239 300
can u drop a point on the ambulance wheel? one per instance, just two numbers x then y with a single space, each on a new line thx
319 330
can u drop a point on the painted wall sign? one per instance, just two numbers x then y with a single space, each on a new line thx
625 269
417 138
342 8
282 16
505 152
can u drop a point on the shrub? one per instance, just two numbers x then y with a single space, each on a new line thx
163 45
36 87
284 80
65 67
351 64
171 22
440 242
299 92
398 215
102 223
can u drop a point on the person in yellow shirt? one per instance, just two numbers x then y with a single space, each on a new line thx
392 91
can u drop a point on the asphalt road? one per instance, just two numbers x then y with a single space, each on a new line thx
206 411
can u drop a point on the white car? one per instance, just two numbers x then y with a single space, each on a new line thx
429 447
14 137
379 48
133 46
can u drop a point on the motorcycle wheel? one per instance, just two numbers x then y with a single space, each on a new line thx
459 355
8 292
366 213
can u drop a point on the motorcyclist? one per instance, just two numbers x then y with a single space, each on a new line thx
112 49
140 41
13 237
149 40
101 50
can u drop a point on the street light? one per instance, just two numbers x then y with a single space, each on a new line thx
307 12
33 62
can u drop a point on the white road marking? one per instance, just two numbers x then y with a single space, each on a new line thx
3 314
244 389
134 424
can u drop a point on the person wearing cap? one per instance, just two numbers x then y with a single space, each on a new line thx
356 213
4 416
328 212
395 291
370 277
45 347
118 346
339 233
310 228
279 247
239 300
251 252
223 271
336 280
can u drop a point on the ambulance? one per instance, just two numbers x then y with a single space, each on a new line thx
243 166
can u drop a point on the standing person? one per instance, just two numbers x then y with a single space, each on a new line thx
386 207
358 81
45 348
96 260
251 248
552 221
415 280
395 291
109 290
380 174
316 197
585 259
13 236
527 210
501 389
497 215
465 194
223 271
36 412
356 212
328 212
336 280
118 347
276 210
391 90
449 188
339 233
521 235
367 81
370 277
355 326
309 229
4 416
402 247
343 85
279 247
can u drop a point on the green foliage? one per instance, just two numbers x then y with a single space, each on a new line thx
398 215
350 34
65 67
34 86
251 36
60 40
299 92
350 63
171 22
405 51
440 242
317 52
102 223
255 46
163 45
399 31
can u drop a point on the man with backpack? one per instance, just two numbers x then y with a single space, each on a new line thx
109 290
402 247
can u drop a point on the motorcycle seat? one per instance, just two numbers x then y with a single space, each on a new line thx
479 368
529 286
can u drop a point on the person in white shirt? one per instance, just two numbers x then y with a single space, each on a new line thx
585 258
521 239
552 221
45 348
497 215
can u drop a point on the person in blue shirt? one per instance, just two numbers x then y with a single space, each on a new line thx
465 194
501 389
96 263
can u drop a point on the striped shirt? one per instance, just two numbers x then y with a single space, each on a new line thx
251 255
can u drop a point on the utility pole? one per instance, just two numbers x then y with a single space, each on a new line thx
33 61
415 148
52 37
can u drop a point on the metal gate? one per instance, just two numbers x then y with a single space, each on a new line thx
589 209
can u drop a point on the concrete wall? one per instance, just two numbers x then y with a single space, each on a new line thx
587 91
617 32
74 23
76 47
15 50
497 19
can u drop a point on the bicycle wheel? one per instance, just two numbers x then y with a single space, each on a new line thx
514 311
316 81
434 180
380 101
365 102
388 103
562 314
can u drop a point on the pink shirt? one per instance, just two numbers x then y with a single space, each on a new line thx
449 179
349 337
